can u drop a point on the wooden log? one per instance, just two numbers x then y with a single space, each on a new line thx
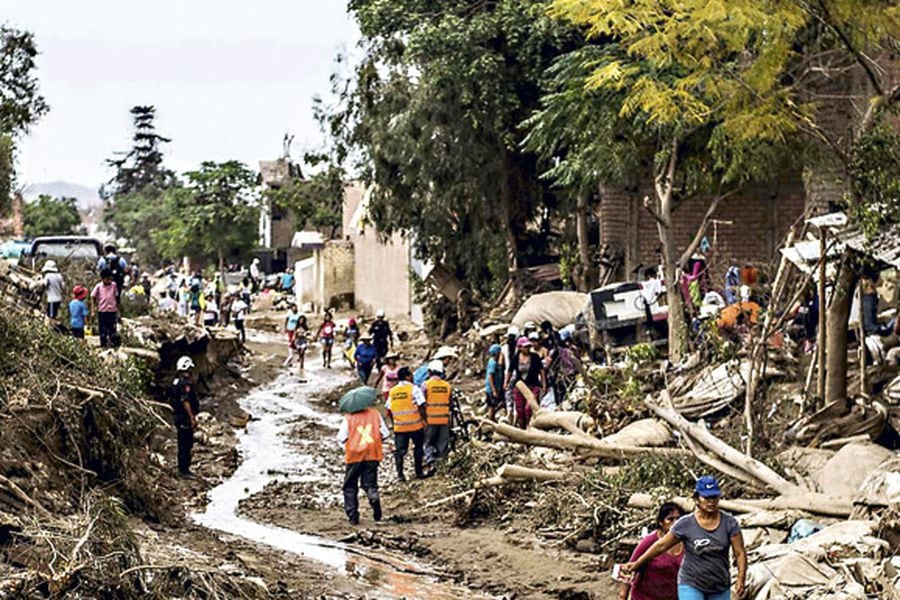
576 423
529 397
820 504
520 473
589 446
720 449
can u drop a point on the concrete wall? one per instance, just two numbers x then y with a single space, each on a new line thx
335 268
381 274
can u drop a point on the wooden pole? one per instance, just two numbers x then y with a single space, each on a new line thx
822 328
861 340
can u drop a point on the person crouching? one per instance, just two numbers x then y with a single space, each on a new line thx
362 433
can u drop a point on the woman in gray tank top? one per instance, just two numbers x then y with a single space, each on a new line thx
708 534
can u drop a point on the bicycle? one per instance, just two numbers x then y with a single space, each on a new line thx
461 428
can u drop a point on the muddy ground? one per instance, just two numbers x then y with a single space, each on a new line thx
488 559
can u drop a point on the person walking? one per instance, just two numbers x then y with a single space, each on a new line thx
239 310
256 276
709 535
493 382
382 336
326 339
54 285
405 408
525 366
300 342
185 406
105 305
387 375
287 281
290 329
365 357
362 434
658 580
78 311
351 337
437 409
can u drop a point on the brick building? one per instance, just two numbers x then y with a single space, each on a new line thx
276 225
748 227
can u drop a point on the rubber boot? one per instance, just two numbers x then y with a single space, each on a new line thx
376 510
398 460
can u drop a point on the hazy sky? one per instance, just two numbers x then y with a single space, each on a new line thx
228 78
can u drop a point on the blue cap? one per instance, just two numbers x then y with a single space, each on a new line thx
494 349
708 487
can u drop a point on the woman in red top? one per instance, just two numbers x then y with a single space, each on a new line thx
658 580
326 339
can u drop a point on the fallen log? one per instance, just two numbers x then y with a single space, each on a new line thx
819 504
576 423
722 452
587 445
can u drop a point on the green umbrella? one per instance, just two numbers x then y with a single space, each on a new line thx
357 399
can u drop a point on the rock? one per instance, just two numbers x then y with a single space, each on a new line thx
586 546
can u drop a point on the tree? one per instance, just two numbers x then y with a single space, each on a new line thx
21 104
140 167
682 84
134 203
213 215
433 114
51 216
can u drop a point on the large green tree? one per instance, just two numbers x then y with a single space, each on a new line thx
51 216
432 113
214 216
21 103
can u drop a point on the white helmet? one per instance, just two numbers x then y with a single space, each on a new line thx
436 366
184 363
379 313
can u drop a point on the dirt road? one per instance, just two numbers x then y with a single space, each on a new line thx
286 495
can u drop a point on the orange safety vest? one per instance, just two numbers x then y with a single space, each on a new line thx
404 410
364 441
437 401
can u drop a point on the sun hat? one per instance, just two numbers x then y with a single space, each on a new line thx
512 330
707 487
523 342
534 336
79 292
529 325
494 349
50 267
391 355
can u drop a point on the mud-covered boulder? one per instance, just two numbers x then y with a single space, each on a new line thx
845 472
560 308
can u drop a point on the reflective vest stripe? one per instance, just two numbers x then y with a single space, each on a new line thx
403 409
364 437
437 401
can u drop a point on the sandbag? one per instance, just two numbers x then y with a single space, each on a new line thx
646 432
845 472
560 308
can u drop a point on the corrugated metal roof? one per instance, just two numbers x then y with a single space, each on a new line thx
884 247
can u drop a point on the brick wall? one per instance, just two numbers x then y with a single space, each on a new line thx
761 218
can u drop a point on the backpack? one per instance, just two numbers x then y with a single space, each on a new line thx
114 264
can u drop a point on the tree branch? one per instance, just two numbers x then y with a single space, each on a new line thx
648 204
863 62
701 231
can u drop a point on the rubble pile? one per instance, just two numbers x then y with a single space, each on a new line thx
80 454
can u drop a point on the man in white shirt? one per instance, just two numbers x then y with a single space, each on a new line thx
53 284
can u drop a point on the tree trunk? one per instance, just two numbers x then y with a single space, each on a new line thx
582 212
221 257
507 218
837 319
678 328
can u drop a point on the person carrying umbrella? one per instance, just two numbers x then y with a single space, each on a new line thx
361 433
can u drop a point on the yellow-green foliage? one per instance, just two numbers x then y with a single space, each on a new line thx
691 62
694 61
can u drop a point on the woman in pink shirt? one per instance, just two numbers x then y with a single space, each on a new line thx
388 374
658 580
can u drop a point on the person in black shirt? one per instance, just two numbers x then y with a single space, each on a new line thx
185 405
382 336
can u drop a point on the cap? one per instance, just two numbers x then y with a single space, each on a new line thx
494 349
512 330
523 342
708 487
530 325
534 336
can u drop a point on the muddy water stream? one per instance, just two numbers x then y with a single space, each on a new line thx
267 455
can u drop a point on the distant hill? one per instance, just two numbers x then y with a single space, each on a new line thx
87 197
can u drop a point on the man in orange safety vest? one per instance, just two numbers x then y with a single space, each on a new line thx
406 408
362 433
437 408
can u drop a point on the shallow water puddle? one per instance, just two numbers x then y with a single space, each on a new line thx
267 456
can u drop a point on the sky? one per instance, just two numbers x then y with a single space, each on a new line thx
228 78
